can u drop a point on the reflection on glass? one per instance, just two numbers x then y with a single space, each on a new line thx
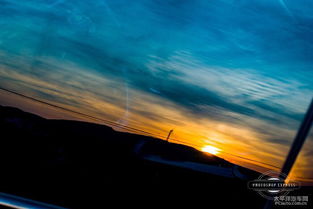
235 76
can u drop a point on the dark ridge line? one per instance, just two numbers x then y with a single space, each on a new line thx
120 125
252 160
79 113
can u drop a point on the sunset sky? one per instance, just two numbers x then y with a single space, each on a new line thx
236 75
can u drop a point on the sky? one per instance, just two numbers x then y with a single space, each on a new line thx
236 75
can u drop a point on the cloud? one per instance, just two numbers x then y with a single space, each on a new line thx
232 73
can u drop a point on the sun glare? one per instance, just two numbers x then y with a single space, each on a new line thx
210 149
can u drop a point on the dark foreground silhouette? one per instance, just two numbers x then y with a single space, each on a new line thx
83 165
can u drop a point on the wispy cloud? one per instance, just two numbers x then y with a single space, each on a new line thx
236 75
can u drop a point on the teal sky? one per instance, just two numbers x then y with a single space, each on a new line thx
245 64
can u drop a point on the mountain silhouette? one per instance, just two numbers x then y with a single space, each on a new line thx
84 165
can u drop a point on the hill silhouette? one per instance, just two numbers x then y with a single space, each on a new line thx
84 165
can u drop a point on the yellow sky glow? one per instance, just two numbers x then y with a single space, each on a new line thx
146 112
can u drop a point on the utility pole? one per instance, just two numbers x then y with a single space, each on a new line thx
169 134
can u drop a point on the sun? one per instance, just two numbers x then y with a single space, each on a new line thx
210 149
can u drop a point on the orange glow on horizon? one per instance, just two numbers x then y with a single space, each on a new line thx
251 146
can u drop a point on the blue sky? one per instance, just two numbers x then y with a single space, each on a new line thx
246 65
